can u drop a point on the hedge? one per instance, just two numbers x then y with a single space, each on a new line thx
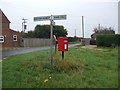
108 40
73 39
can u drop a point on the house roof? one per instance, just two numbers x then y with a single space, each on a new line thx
3 15
4 19
14 31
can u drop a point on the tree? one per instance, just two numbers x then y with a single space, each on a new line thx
43 31
102 30
59 31
29 34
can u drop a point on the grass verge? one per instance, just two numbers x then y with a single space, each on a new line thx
81 68
73 42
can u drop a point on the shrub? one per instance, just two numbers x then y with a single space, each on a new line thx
73 39
108 40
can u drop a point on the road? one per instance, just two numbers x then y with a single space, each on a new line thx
15 51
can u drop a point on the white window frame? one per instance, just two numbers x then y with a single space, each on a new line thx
2 37
14 37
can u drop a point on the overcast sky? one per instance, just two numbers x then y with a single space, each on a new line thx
104 12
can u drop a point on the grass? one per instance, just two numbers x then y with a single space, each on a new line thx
73 42
81 68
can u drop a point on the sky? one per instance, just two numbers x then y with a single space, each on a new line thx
103 12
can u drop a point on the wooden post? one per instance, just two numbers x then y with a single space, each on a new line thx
55 46
62 55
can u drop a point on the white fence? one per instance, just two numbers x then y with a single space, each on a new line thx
34 42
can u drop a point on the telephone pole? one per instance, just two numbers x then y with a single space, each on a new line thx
24 27
98 26
83 26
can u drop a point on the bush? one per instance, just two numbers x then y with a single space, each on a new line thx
73 39
108 40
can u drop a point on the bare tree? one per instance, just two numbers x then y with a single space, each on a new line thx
104 30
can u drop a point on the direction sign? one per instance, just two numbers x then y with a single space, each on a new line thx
51 18
59 17
42 18
46 18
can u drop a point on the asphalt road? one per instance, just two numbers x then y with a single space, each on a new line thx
15 51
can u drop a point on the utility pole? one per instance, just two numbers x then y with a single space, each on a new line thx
24 27
75 32
98 26
83 26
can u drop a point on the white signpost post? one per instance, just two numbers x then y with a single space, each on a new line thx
51 18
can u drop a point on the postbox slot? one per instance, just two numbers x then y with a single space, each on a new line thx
65 41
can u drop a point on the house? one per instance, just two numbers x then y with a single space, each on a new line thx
8 37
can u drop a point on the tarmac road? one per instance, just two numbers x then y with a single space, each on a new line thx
9 52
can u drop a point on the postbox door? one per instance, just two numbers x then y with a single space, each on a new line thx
62 44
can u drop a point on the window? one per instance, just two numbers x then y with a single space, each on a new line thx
1 39
14 37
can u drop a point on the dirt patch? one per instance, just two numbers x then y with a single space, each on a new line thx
92 47
89 46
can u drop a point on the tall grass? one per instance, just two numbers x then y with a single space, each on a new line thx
81 68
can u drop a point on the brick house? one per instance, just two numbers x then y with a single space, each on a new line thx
8 37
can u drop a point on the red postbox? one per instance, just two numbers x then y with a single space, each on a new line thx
62 44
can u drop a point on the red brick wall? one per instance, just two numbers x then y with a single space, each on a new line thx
5 22
5 32
8 34
15 43
8 38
